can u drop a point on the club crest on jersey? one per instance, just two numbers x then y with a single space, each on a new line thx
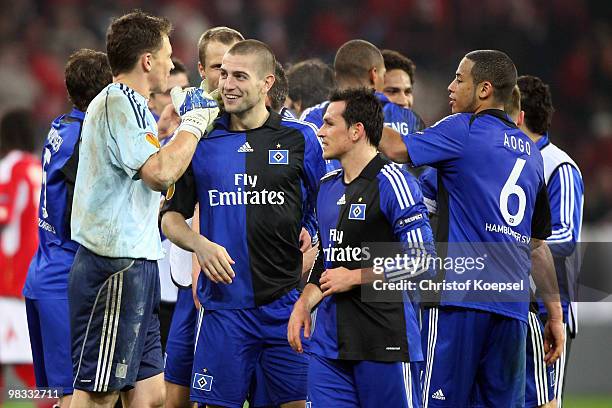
202 382
278 156
357 212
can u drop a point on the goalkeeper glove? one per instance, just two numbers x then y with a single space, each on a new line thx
197 110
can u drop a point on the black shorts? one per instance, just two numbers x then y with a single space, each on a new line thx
114 323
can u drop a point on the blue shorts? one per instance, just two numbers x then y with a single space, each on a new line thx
362 384
229 345
474 358
540 381
49 327
181 340
258 393
114 307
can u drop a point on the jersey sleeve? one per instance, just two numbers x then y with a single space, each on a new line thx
131 142
184 198
401 202
314 169
428 181
565 193
317 269
540 222
441 142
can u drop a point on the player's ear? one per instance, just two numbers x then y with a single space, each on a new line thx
521 119
268 82
146 61
372 74
201 70
485 90
357 131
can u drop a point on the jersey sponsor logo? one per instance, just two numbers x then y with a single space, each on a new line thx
152 139
343 254
278 156
342 200
357 212
42 224
202 382
242 197
245 148
439 395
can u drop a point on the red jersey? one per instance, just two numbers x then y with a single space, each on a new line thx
20 179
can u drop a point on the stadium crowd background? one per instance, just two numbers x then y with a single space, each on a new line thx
568 43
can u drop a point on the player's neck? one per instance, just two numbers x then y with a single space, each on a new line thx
249 119
135 82
344 84
487 104
355 160
533 136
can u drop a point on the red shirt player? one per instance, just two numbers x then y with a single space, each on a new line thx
20 176
20 179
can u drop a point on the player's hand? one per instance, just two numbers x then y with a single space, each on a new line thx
308 258
305 240
554 337
300 317
168 122
215 261
197 109
338 280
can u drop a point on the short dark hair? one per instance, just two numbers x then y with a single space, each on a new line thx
362 106
266 60
497 68
224 35
310 82
132 35
278 92
395 60
513 105
17 131
87 72
355 59
536 102
179 67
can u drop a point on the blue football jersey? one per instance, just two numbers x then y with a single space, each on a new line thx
383 205
491 201
253 188
403 120
48 274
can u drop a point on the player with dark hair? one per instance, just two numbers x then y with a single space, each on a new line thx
469 339
113 288
399 78
310 82
250 177
19 188
566 195
357 64
46 289
278 93
361 352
